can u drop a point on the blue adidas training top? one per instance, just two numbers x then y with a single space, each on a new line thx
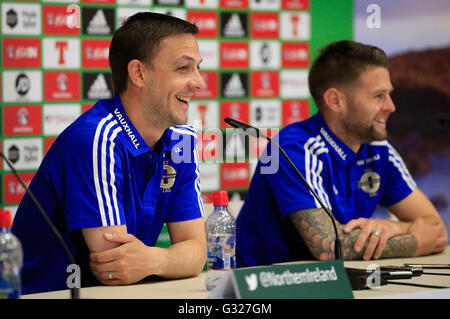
350 185
100 172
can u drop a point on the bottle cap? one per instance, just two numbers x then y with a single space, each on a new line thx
5 218
220 198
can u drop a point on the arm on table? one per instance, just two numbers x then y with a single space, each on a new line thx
129 260
419 231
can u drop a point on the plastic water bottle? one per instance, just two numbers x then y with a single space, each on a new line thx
11 258
221 240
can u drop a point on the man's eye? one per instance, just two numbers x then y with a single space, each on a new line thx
183 68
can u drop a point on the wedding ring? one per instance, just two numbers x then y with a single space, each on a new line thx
110 277
376 234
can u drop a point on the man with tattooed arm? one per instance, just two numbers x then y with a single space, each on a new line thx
344 155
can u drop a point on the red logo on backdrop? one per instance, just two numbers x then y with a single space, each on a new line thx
21 52
264 84
234 4
95 53
206 22
294 111
234 54
295 4
56 20
13 191
22 120
237 110
295 55
264 25
209 145
210 90
235 175
61 86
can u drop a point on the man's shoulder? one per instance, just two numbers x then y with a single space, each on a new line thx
298 132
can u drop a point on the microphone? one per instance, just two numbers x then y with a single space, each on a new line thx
75 292
255 132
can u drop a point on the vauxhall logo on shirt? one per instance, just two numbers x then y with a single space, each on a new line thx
127 128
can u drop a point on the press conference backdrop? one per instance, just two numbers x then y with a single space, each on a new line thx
256 55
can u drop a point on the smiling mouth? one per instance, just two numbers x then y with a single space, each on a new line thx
183 99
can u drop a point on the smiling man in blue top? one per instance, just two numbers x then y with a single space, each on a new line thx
123 169
343 154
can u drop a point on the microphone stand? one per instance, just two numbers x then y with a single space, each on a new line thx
256 133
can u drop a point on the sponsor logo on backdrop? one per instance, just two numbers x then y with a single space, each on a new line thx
21 52
237 110
97 86
98 21
209 146
234 84
210 176
203 114
294 111
61 86
294 84
22 120
61 53
264 54
295 4
265 113
264 84
235 175
295 55
233 25
265 4
13 190
95 53
209 51
234 143
21 18
211 86
295 26
58 116
24 153
234 54
58 20
264 25
234 4
206 22
23 86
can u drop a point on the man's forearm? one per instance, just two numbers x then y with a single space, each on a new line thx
184 259
316 229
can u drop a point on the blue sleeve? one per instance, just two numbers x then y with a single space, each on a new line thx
186 202
398 181
290 191
90 180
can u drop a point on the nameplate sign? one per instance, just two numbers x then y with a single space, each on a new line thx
318 280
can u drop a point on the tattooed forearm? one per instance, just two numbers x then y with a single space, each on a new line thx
317 231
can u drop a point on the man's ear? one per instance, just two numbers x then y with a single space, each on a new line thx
334 99
136 72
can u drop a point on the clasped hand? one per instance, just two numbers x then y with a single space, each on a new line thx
126 264
375 232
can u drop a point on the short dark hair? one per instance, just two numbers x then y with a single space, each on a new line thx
340 63
139 38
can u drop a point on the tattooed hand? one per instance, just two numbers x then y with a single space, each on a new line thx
316 229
